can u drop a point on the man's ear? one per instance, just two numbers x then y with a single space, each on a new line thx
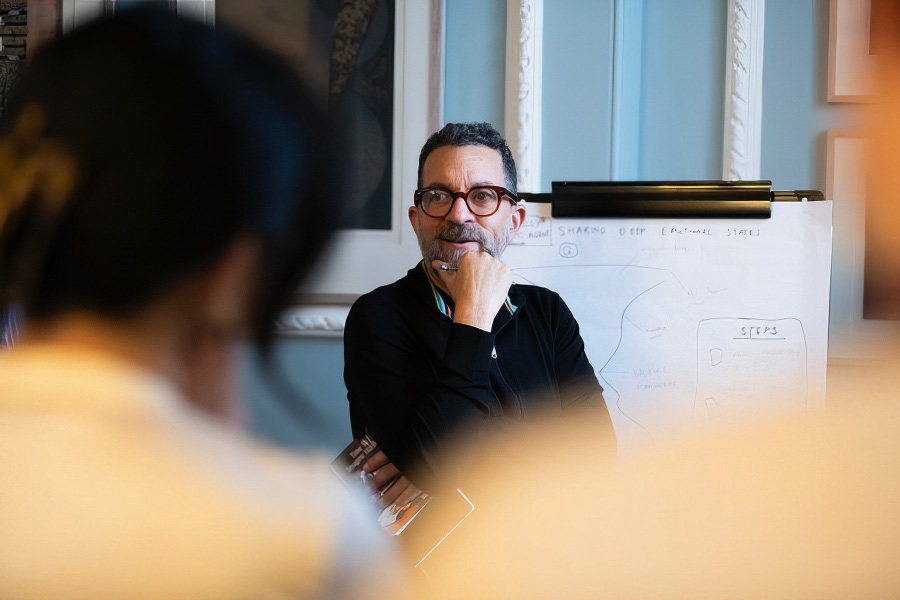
517 217
413 218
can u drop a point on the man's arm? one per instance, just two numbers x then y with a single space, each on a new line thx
414 409
410 406
478 287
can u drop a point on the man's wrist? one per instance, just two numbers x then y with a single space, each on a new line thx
473 317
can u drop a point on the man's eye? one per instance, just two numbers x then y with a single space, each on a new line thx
437 196
483 195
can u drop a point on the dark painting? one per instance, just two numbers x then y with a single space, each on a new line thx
344 51
360 101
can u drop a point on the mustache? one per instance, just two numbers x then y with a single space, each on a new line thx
464 232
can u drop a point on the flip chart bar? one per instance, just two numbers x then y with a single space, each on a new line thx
797 195
729 199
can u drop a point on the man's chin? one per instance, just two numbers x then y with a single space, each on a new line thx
456 249
449 257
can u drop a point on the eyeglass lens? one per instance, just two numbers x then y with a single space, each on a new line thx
482 201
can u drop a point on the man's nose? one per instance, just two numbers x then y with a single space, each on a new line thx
459 210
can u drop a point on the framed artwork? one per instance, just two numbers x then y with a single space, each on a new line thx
343 51
382 80
854 335
373 65
855 35
361 259
377 245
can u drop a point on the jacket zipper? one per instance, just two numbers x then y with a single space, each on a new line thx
515 395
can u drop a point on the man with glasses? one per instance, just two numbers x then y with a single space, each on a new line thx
453 350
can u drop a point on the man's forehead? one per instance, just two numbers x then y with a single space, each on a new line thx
474 162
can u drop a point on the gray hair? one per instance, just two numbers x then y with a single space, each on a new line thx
471 134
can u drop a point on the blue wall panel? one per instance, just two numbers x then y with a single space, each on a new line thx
796 114
475 61
577 90
682 87
302 403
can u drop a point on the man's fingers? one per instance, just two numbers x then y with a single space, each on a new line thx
448 276
382 477
390 495
439 265
376 461
407 495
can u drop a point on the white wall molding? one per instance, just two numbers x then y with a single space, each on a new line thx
625 118
78 12
524 62
743 90
74 13
201 10
436 71
321 320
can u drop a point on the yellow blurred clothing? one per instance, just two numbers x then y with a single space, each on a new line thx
111 486
807 509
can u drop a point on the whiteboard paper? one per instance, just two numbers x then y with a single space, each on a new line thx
692 322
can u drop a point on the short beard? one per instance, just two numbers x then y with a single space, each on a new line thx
431 249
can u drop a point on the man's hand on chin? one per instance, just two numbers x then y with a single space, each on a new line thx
478 287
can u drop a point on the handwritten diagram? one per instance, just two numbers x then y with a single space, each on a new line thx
748 365
693 323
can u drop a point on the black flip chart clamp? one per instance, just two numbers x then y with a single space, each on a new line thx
695 199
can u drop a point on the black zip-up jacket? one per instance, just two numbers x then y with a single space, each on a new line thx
415 379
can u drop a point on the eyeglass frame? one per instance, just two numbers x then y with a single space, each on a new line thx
499 190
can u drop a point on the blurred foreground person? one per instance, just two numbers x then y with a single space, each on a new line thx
162 190
793 510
